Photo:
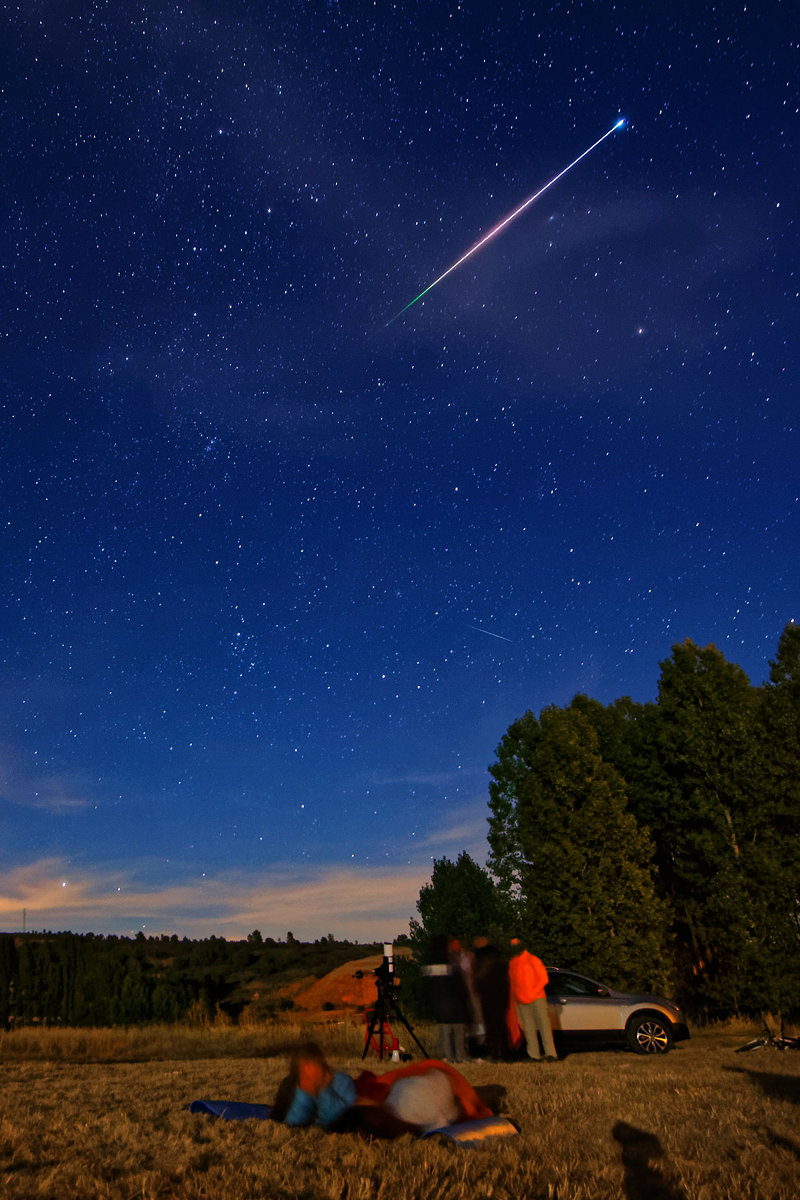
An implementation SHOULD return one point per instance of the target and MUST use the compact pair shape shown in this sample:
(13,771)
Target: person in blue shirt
(313,1094)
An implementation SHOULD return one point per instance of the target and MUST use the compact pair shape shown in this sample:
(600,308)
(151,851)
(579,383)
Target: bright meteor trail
(507,220)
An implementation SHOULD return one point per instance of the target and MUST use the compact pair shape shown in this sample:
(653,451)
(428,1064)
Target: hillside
(91,980)
(341,992)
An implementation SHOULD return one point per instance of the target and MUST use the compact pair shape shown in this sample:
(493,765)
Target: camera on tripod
(379,1032)
(385,978)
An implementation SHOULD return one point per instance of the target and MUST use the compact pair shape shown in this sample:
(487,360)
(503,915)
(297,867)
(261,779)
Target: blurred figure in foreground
(449,999)
(464,961)
(490,973)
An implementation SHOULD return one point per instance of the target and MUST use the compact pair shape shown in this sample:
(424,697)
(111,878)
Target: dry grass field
(105,1114)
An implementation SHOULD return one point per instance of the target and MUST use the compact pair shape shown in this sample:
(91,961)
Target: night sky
(277,575)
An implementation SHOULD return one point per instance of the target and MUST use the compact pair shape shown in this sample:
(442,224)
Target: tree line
(654,845)
(94,980)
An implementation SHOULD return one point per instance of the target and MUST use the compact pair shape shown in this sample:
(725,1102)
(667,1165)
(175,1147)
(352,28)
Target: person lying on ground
(411,1099)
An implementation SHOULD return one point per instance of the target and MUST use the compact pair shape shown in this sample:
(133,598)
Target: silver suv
(583,1010)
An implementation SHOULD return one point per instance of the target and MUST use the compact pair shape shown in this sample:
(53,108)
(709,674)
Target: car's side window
(565,984)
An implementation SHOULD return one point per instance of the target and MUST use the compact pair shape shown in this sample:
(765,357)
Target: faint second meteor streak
(507,221)
(489,633)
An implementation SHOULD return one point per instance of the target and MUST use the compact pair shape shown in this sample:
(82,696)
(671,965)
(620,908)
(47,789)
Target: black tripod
(384,1004)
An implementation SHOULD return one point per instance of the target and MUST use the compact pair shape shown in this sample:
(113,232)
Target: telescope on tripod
(379,1030)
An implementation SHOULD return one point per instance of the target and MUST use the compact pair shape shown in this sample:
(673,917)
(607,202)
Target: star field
(278,576)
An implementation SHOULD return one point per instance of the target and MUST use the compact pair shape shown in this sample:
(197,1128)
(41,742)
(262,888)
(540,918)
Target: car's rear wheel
(649,1034)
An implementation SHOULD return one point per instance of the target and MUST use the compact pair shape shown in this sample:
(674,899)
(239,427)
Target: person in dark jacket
(449,1000)
(490,973)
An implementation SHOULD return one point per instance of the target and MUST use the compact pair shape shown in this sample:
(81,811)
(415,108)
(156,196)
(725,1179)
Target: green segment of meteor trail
(507,220)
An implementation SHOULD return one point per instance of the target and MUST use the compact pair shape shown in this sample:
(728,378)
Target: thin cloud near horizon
(358,903)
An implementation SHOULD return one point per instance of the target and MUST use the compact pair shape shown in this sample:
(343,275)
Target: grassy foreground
(701,1122)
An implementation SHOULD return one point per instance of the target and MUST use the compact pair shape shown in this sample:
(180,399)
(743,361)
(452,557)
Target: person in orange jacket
(528,978)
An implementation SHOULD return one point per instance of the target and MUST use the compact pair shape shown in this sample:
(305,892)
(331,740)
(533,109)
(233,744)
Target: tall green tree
(771,848)
(515,757)
(461,901)
(588,898)
(712,774)
(696,797)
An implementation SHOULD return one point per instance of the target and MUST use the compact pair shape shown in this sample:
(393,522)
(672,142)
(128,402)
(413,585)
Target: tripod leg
(368,1038)
(378,1018)
(398,1012)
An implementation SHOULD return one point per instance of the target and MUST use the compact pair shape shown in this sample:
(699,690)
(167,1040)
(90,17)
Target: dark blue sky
(278,575)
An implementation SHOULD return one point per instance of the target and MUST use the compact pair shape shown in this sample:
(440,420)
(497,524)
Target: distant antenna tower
(24,918)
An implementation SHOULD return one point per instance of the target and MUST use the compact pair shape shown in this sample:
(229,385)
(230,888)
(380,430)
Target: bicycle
(768,1038)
